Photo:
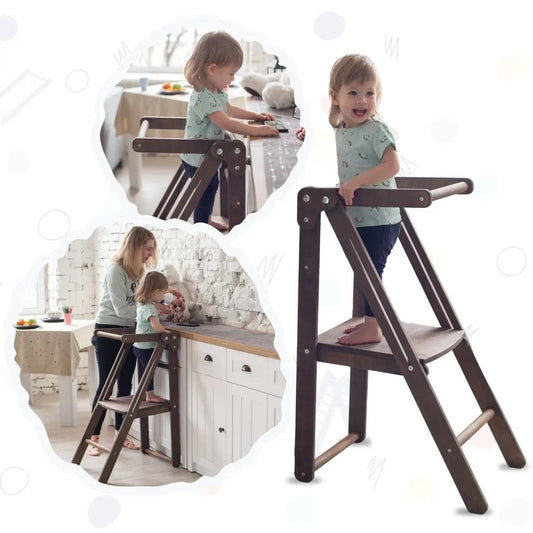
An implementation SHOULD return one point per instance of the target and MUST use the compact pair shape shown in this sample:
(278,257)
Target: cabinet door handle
(245,368)
(208,358)
(221,430)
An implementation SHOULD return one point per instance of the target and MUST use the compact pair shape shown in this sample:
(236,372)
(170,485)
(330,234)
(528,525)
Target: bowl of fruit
(172,88)
(31,323)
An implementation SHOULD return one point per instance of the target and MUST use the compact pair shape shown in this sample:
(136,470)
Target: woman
(117,309)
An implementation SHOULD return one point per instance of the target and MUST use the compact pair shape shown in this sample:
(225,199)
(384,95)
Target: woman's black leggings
(106,353)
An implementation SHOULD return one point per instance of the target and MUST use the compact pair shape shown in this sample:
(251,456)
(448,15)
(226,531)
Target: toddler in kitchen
(210,70)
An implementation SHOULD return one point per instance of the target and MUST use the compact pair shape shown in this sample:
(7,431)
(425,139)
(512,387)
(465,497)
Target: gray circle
(18,162)
(103,511)
(444,129)
(329,25)
(8,27)
(511,261)
(14,480)
(53,225)
(77,80)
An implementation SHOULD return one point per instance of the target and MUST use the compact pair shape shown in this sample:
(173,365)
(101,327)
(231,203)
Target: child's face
(220,77)
(158,295)
(356,102)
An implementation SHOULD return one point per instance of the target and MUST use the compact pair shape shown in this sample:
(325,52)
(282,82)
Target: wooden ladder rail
(183,193)
(133,407)
(419,192)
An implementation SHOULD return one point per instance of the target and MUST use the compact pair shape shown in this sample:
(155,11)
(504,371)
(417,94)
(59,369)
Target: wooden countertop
(245,340)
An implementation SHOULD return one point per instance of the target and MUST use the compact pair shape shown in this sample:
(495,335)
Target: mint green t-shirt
(360,149)
(201,105)
(144,312)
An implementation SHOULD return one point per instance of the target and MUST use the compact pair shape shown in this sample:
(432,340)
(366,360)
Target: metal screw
(421,198)
(306,198)
(220,151)
(237,150)
(306,219)
(237,167)
(325,200)
(306,351)
(237,203)
(410,368)
(305,267)
(449,450)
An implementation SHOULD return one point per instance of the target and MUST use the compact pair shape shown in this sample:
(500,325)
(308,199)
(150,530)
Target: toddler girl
(151,290)
(366,157)
(211,68)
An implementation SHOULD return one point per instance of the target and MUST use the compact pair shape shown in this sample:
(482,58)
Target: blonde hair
(215,47)
(152,281)
(348,69)
(129,257)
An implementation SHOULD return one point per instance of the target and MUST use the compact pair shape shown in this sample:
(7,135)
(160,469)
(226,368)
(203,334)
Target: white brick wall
(215,281)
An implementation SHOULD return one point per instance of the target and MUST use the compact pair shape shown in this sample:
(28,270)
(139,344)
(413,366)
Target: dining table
(155,102)
(53,347)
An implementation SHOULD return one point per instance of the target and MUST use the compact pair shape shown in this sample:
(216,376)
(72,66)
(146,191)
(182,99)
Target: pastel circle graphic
(329,25)
(8,27)
(14,480)
(77,80)
(103,510)
(54,225)
(511,261)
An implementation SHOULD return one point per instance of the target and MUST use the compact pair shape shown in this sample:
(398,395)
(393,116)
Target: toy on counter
(300,133)
(196,316)
(274,89)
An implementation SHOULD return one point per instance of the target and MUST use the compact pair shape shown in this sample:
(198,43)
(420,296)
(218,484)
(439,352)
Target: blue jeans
(203,210)
(379,241)
(143,356)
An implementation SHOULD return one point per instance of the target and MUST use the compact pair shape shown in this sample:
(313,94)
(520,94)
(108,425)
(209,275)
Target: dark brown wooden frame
(406,349)
(183,193)
(133,407)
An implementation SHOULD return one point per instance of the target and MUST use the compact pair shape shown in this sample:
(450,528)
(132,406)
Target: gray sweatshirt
(117,305)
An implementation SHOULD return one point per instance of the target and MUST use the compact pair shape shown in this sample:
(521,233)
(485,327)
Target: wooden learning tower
(406,349)
(183,193)
(134,407)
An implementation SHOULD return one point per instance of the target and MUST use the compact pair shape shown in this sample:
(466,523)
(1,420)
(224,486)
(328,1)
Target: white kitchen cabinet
(228,397)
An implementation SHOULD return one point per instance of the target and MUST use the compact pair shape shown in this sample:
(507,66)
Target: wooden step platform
(122,404)
(428,342)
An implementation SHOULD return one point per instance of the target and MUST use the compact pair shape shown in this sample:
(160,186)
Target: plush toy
(274,89)
(177,297)
(196,315)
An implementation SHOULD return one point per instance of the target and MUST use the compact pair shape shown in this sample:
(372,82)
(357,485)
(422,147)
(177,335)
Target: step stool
(133,407)
(406,349)
(183,193)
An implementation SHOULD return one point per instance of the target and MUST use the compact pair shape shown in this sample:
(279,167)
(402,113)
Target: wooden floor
(133,468)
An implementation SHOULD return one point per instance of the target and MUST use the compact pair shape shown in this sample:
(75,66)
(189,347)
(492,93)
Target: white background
(457,79)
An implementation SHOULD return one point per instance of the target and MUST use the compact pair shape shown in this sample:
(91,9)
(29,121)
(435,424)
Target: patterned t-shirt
(144,313)
(201,104)
(360,149)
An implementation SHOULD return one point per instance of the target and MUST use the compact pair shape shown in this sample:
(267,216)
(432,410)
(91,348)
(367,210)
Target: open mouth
(359,112)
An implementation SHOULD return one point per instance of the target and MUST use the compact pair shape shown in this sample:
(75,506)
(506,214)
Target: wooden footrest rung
(157,454)
(475,426)
(97,445)
(322,459)
(122,404)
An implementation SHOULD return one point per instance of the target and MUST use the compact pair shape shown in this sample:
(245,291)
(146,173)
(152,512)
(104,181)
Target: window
(33,300)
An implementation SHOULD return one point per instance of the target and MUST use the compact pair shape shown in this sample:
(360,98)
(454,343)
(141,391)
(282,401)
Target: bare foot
(154,398)
(369,332)
(93,450)
(355,327)
(220,226)
(128,443)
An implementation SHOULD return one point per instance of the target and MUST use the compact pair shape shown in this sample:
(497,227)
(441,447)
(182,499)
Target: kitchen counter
(246,340)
